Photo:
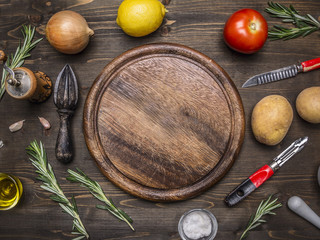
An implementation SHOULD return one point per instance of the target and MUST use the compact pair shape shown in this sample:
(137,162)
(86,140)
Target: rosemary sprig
(264,208)
(22,52)
(304,25)
(96,190)
(38,158)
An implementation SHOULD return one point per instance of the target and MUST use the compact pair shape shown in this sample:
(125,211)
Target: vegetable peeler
(264,173)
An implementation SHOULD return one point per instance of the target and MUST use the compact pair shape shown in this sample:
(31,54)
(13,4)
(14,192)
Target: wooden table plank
(199,25)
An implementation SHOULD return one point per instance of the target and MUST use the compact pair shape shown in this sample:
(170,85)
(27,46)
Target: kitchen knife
(282,73)
(264,173)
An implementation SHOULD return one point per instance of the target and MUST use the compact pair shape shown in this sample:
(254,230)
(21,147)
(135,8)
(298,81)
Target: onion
(68,32)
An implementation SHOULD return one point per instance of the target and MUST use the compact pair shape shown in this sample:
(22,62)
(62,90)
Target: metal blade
(273,76)
(293,149)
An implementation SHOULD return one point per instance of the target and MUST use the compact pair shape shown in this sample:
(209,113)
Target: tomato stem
(253,26)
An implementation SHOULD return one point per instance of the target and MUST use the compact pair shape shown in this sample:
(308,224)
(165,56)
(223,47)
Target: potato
(308,104)
(271,119)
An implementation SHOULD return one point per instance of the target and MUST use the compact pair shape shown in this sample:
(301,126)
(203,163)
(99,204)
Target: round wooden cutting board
(163,122)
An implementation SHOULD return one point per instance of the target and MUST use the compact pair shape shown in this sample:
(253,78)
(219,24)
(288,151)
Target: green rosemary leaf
(81,172)
(68,209)
(293,9)
(42,178)
(58,199)
(96,190)
(303,25)
(106,207)
(311,18)
(71,179)
(251,219)
(114,213)
(254,226)
(51,171)
(265,208)
(265,203)
(307,32)
(49,189)
(38,158)
(103,207)
(74,204)
(78,238)
(288,21)
(125,215)
(96,195)
(279,32)
(79,226)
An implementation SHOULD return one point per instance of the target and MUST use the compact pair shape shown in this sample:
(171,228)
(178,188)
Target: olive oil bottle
(10,191)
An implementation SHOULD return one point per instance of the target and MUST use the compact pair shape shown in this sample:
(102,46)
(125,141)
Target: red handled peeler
(264,173)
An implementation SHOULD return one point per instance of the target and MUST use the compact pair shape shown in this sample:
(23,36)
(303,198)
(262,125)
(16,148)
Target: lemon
(139,18)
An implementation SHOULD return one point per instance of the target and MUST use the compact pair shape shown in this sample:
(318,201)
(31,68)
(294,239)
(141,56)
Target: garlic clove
(1,144)
(45,123)
(16,126)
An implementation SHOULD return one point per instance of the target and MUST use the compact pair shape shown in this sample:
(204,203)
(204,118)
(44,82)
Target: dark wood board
(164,122)
(194,23)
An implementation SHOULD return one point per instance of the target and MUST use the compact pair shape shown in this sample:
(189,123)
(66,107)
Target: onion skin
(68,32)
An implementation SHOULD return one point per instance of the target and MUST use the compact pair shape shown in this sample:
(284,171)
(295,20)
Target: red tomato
(246,31)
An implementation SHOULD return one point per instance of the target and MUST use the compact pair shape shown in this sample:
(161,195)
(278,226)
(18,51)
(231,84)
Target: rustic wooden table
(199,25)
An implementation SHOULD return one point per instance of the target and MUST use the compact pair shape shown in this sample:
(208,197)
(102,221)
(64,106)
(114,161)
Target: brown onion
(68,32)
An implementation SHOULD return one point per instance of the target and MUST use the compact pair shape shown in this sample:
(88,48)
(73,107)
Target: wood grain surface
(197,24)
(164,122)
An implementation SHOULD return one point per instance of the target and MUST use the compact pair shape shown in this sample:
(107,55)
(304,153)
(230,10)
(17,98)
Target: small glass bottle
(10,191)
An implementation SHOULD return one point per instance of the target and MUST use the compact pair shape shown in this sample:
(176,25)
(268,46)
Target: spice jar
(25,84)
(198,224)
(22,83)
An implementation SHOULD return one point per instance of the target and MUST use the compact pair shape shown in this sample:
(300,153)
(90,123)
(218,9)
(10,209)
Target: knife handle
(249,185)
(64,151)
(311,65)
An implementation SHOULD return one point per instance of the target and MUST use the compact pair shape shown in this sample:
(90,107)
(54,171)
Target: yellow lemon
(139,18)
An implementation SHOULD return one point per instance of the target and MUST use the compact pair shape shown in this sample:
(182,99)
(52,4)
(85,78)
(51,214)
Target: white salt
(197,225)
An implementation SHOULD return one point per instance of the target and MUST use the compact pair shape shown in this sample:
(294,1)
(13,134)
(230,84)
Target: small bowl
(214,225)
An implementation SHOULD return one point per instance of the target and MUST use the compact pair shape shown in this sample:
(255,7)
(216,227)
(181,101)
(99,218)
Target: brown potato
(271,119)
(308,104)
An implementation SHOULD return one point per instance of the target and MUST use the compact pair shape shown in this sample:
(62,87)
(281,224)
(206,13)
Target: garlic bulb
(68,32)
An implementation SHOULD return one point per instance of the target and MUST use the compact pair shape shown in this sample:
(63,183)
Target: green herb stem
(303,25)
(38,158)
(96,190)
(22,52)
(266,207)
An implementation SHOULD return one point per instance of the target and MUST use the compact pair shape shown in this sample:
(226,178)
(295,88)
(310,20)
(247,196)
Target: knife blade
(282,73)
(264,173)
